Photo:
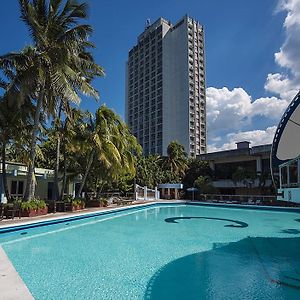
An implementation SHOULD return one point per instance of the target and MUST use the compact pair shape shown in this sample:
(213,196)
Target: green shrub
(104,201)
(33,204)
(68,198)
(78,202)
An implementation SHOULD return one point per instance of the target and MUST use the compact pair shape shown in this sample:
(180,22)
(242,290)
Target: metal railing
(242,199)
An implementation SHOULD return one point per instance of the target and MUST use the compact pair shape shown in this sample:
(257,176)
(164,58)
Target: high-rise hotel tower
(165,87)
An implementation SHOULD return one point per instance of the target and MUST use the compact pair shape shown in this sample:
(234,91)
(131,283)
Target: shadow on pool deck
(252,268)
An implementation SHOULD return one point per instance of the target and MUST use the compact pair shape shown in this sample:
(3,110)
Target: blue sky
(241,40)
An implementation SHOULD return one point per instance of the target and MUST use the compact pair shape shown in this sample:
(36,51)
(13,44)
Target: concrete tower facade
(165,87)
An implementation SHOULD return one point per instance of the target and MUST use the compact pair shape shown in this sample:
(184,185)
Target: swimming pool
(162,252)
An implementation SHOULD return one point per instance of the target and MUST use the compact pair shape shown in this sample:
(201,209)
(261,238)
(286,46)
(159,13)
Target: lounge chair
(250,201)
(121,201)
(12,210)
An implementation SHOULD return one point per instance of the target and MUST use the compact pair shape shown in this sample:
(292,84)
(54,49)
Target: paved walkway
(12,286)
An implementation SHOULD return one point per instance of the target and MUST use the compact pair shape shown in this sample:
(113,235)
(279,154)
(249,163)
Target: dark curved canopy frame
(286,142)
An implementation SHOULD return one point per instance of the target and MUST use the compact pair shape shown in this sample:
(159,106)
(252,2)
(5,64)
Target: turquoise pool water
(162,252)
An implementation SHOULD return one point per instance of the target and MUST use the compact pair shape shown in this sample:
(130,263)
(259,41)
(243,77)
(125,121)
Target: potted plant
(103,202)
(33,207)
(78,204)
(28,209)
(42,208)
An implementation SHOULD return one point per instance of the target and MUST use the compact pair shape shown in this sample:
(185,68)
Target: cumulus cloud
(233,110)
(281,85)
(288,56)
(256,137)
(227,109)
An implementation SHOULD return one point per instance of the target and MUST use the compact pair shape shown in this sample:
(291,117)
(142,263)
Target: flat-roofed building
(16,174)
(254,160)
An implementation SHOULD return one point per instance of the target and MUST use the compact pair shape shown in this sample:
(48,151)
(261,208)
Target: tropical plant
(13,132)
(195,169)
(204,185)
(33,204)
(176,160)
(149,171)
(244,176)
(107,141)
(56,68)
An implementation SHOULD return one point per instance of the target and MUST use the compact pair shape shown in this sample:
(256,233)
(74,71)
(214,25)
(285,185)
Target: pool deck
(12,286)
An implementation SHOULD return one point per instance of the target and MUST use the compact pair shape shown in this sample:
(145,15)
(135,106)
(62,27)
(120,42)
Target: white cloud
(256,137)
(227,109)
(288,56)
(281,85)
(233,110)
(269,107)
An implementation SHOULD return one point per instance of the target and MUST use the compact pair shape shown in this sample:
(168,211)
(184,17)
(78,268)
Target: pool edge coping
(82,215)
(11,284)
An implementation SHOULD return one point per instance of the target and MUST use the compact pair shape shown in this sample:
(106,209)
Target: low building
(256,160)
(17,177)
(170,190)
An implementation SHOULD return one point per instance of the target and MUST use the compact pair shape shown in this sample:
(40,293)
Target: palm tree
(149,171)
(56,68)
(13,127)
(244,176)
(204,184)
(70,143)
(176,161)
(109,142)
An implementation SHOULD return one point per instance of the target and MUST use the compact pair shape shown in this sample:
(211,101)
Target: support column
(145,193)
(73,192)
(258,165)
(156,193)
(134,191)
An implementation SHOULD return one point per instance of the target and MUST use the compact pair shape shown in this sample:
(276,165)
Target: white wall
(176,88)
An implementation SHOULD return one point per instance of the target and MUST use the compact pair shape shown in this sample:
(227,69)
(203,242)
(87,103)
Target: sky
(252,57)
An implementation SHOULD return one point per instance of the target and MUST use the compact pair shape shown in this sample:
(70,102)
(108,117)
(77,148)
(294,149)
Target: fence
(248,199)
(144,193)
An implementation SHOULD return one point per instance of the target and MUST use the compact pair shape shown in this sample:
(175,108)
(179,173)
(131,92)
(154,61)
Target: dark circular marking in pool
(23,233)
(240,224)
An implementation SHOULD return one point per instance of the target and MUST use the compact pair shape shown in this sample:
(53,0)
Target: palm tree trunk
(56,170)
(88,167)
(4,175)
(57,160)
(30,183)
(64,173)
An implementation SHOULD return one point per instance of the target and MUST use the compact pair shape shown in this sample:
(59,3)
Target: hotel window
(293,173)
(284,176)
(16,188)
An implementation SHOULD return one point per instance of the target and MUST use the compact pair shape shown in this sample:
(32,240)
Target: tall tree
(108,140)
(244,176)
(13,130)
(57,66)
(176,160)
(149,171)
(195,169)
